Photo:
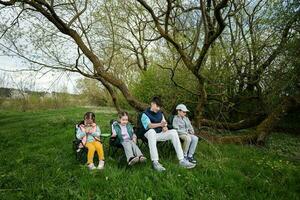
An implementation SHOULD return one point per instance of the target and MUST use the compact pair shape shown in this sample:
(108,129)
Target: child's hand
(82,128)
(134,140)
(165,129)
(163,123)
(89,131)
(191,132)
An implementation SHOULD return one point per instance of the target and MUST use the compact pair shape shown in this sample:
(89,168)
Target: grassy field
(37,162)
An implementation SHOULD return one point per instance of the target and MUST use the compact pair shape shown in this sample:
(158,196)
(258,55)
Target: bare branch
(77,15)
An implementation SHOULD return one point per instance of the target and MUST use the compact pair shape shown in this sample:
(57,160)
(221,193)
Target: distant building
(18,94)
(4,92)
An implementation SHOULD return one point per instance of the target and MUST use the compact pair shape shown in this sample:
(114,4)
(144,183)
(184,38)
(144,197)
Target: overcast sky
(51,81)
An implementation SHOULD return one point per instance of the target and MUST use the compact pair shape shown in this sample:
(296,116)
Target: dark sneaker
(192,160)
(133,160)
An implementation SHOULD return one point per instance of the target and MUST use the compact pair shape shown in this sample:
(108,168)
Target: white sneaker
(91,166)
(158,167)
(101,164)
(186,164)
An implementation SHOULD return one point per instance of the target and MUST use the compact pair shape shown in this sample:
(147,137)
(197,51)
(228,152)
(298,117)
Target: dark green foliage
(157,82)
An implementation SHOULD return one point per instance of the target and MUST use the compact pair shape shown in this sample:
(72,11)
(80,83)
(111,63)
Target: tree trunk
(112,94)
(264,129)
(243,124)
(202,99)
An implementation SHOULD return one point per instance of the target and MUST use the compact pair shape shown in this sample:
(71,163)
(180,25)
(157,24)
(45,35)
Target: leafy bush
(157,82)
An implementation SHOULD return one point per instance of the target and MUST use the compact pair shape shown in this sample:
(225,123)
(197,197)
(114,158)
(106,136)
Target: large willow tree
(112,40)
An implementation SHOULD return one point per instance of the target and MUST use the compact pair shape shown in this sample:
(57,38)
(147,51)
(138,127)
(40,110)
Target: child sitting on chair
(124,133)
(89,133)
(186,132)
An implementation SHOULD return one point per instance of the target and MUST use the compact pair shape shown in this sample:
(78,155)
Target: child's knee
(183,138)
(91,147)
(188,139)
(173,133)
(98,144)
(194,138)
(150,133)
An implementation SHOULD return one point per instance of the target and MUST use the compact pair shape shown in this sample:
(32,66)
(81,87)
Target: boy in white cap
(155,129)
(186,132)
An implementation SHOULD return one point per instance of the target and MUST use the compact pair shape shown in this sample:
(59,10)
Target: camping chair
(80,150)
(115,145)
(170,121)
(142,141)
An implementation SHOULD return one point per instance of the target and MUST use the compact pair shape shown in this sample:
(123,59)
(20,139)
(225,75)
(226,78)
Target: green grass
(37,162)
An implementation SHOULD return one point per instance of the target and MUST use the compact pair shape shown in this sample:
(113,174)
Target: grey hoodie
(182,125)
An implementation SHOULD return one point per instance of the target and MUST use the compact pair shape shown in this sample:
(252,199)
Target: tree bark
(243,124)
(112,94)
(262,131)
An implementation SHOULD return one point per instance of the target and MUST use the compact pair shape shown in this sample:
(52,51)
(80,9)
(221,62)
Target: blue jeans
(189,144)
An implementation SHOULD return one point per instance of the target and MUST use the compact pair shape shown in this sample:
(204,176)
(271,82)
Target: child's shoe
(158,167)
(186,164)
(192,160)
(142,159)
(101,164)
(133,160)
(91,166)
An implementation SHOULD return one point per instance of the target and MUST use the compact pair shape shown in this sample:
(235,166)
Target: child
(186,132)
(89,133)
(124,133)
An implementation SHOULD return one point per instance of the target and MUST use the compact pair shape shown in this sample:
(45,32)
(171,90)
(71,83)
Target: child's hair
(89,115)
(122,114)
(157,101)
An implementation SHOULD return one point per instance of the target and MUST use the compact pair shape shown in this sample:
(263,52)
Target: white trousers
(153,137)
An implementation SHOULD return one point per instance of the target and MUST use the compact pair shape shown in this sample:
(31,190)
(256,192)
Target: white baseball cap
(182,107)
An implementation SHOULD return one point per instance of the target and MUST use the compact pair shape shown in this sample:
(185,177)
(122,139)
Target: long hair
(90,115)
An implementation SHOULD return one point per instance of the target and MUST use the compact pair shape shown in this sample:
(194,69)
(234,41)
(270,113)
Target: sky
(52,81)
(36,81)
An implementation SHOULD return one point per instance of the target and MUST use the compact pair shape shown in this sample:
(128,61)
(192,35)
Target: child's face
(181,113)
(124,120)
(88,121)
(154,107)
